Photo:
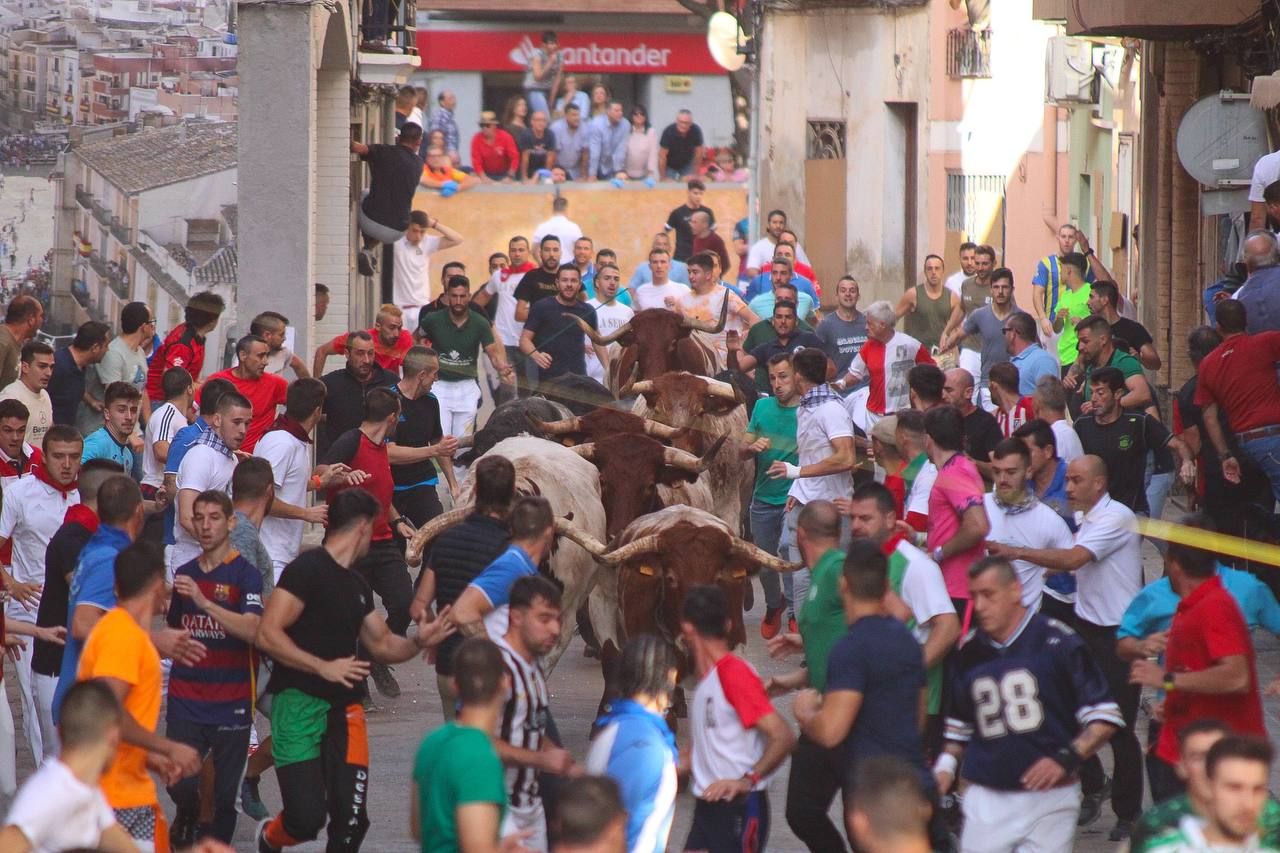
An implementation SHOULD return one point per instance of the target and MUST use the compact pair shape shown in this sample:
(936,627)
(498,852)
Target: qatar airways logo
(594,56)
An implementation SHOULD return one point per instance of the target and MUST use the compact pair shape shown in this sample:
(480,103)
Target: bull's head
(631,469)
(656,571)
(681,400)
(655,341)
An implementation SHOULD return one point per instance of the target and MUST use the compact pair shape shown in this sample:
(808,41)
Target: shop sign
(589,53)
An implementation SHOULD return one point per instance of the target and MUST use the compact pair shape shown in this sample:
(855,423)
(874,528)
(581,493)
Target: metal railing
(112,273)
(120,231)
(391,23)
(84,198)
(968,53)
(157,273)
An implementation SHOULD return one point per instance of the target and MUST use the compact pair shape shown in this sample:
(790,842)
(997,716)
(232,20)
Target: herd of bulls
(650,488)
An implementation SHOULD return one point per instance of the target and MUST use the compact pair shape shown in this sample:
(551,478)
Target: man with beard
(390,338)
(346,388)
(552,339)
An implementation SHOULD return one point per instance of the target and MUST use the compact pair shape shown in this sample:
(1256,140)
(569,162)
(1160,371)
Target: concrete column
(278,180)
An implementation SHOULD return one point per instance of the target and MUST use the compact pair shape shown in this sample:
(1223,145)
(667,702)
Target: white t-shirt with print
(609,318)
(816,426)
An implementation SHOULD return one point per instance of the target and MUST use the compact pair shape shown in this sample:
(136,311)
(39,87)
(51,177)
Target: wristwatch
(1167,684)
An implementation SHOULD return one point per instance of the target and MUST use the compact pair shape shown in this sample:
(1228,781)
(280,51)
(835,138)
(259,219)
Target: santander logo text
(592,55)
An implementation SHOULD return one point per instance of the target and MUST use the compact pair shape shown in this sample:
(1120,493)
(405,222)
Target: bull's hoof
(590,652)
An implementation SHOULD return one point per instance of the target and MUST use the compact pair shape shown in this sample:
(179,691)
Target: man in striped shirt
(533,629)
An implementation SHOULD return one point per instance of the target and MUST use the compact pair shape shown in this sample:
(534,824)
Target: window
(968,53)
(825,139)
(973,203)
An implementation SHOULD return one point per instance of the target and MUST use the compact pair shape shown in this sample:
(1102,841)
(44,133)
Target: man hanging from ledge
(394,171)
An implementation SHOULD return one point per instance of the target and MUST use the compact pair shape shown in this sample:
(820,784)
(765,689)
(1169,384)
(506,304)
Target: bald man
(1106,558)
(981,429)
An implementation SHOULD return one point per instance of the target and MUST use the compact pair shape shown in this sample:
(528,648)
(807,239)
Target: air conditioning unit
(1070,77)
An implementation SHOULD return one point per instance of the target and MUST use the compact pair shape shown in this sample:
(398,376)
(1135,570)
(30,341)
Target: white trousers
(45,686)
(30,719)
(1020,821)
(8,750)
(459,402)
(527,819)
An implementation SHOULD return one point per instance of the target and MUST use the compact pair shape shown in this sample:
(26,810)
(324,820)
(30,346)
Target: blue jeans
(789,549)
(537,99)
(1266,452)
(766,530)
(680,174)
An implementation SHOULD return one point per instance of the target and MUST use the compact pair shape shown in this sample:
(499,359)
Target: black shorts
(739,826)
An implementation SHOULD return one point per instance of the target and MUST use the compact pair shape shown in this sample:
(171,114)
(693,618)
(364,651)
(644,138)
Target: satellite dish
(1220,138)
(723,37)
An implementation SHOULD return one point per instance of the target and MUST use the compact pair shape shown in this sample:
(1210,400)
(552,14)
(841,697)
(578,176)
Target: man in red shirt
(264,390)
(390,342)
(1210,670)
(184,347)
(1012,409)
(1240,376)
(494,154)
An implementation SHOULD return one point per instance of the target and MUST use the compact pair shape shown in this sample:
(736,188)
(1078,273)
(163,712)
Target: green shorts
(298,725)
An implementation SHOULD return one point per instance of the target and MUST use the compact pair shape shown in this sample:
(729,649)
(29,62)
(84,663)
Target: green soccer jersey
(822,619)
(776,422)
(1122,361)
(456,765)
(1161,824)
(1076,304)
(459,347)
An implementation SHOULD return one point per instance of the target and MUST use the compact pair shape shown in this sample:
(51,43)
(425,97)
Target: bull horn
(716,388)
(644,386)
(432,529)
(571,531)
(703,326)
(682,459)
(586,451)
(657,429)
(602,340)
(559,427)
(631,549)
(756,554)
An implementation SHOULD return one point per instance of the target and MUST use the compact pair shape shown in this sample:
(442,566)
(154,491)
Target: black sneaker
(384,680)
(1091,804)
(748,596)
(1121,831)
(251,801)
(261,835)
(185,830)
(367,262)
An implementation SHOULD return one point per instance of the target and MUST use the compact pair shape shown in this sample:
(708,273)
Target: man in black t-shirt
(1122,440)
(680,148)
(1126,334)
(981,430)
(678,220)
(537,146)
(540,283)
(553,339)
(419,439)
(394,172)
(319,611)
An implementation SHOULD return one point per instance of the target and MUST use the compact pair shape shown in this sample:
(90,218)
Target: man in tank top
(928,307)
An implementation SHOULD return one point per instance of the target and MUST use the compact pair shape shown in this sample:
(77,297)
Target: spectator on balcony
(537,148)
(123,362)
(30,389)
(600,99)
(682,149)
(515,116)
(573,142)
(442,119)
(725,168)
(572,95)
(609,135)
(562,227)
(375,16)
(184,347)
(442,175)
(543,73)
(66,387)
(394,172)
(494,154)
(642,147)
(407,109)
(22,319)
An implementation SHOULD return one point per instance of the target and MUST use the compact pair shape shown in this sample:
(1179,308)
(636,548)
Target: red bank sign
(613,53)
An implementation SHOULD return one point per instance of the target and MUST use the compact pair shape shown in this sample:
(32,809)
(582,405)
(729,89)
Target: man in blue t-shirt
(482,607)
(210,393)
(552,339)
(218,598)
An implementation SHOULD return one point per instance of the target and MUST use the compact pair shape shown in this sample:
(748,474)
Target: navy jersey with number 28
(1016,703)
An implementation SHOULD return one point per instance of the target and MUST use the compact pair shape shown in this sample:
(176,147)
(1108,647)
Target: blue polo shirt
(763,283)
(495,583)
(1152,609)
(178,447)
(1032,363)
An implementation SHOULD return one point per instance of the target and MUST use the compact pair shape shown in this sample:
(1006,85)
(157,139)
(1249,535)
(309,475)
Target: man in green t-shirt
(1194,743)
(459,796)
(771,436)
(764,332)
(458,335)
(1097,350)
(1073,305)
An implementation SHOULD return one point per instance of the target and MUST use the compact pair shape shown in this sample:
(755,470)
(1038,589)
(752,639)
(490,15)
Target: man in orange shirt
(119,651)
(390,341)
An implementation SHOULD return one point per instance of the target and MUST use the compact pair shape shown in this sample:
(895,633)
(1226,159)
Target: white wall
(709,100)
(162,211)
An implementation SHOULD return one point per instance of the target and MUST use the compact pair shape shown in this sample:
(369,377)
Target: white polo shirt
(816,426)
(32,512)
(1038,527)
(1107,584)
(290,461)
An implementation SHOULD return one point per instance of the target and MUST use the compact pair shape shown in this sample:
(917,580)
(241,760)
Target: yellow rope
(1221,543)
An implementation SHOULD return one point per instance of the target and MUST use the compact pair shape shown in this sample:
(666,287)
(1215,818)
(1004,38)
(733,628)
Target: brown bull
(656,341)
(656,561)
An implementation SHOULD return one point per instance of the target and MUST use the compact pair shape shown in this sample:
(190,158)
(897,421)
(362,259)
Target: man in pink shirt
(958,524)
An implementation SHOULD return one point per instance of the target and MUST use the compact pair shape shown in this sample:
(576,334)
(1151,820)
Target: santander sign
(589,52)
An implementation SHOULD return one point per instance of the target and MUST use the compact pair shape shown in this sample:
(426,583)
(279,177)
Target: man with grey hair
(1049,401)
(885,359)
(1260,293)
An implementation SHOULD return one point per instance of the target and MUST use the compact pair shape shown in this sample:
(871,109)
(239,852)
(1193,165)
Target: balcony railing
(100,213)
(968,53)
(390,24)
(112,273)
(120,231)
(83,197)
(155,269)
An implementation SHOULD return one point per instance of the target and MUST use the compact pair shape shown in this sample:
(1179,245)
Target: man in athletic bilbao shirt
(886,357)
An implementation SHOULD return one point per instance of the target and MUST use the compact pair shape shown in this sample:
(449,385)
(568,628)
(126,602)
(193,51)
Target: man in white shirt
(209,464)
(762,250)
(559,225)
(968,266)
(611,315)
(33,510)
(34,372)
(411,278)
(1106,558)
(824,443)
(287,446)
(1050,404)
(1265,172)
(661,292)
(166,420)
(502,285)
(706,302)
(1019,518)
